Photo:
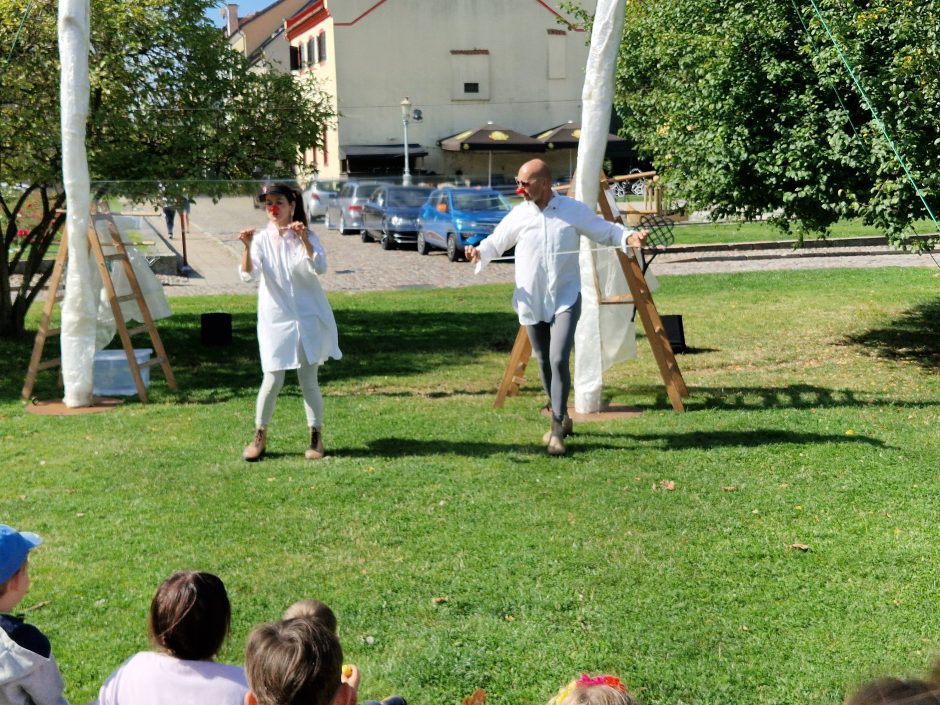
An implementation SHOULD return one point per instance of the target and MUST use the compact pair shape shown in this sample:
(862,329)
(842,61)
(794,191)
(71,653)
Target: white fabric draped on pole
(79,310)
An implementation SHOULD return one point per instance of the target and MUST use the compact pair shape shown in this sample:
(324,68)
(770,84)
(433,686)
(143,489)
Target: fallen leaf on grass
(667,485)
(729,488)
(798,547)
(439,600)
(850,432)
(477,697)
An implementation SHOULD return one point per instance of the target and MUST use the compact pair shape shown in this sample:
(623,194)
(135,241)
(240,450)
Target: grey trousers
(551,344)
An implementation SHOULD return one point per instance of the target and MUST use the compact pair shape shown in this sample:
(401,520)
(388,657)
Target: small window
(312,51)
(471,88)
(321,47)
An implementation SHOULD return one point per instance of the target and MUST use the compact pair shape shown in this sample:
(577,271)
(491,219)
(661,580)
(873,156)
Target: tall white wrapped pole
(79,310)
(597,99)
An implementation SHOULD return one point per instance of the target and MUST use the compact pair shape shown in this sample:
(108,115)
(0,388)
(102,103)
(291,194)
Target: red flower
(22,233)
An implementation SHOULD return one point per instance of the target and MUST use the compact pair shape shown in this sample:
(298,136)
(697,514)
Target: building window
(321,47)
(304,55)
(470,74)
(312,50)
(557,54)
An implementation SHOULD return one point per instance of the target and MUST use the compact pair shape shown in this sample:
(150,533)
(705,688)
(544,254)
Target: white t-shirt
(149,678)
(548,277)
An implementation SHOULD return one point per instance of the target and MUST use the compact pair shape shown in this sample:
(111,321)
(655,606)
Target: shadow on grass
(753,438)
(374,343)
(912,337)
(793,396)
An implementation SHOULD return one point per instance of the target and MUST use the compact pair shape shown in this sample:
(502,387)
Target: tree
(745,106)
(171,104)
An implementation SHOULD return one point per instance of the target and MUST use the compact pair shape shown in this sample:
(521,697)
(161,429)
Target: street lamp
(405,117)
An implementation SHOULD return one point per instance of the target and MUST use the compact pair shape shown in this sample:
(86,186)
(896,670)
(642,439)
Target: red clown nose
(520,191)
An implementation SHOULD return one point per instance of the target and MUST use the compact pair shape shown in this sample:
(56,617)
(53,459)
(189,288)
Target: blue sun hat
(14,546)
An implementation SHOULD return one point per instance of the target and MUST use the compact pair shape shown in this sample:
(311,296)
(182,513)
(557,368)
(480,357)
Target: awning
(381,151)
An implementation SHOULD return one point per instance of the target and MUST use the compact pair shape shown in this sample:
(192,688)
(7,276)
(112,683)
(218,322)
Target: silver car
(318,194)
(345,211)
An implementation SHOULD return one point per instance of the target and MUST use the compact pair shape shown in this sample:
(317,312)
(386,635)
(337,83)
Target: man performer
(545,231)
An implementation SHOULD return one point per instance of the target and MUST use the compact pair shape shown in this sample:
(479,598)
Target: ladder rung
(57,362)
(518,380)
(53,331)
(138,330)
(625,299)
(152,362)
(119,255)
(126,297)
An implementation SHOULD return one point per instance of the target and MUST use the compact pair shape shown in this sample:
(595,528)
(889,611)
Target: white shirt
(548,278)
(292,309)
(150,678)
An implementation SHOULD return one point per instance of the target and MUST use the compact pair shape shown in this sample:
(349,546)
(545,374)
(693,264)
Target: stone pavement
(213,252)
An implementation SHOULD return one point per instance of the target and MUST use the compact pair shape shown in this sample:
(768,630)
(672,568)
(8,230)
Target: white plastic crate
(112,376)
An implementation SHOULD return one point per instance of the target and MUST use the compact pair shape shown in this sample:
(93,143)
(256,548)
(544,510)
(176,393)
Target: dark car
(390,216)
(345,211)
(453,218)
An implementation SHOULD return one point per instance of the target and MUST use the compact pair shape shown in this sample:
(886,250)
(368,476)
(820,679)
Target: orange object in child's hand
(347,670)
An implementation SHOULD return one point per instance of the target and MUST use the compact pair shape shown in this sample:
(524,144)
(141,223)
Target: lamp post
(405,116)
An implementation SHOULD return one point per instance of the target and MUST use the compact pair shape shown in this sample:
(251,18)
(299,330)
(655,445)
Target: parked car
(318,194)
(453,218)
(345,211)
(390,215)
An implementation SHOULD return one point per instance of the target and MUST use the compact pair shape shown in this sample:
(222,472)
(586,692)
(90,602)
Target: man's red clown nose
(520,191)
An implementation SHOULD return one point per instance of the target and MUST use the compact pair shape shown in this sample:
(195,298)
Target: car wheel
(387,242)
(327,222)
(421,245)
(365,236)
(343,230)
(453,252)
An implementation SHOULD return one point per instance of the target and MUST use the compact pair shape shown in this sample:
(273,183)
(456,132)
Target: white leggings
(271,385)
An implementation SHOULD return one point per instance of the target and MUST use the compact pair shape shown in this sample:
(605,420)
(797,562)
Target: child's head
(312,609)
(190,615)
(14,576)
(293,662)
(594,690)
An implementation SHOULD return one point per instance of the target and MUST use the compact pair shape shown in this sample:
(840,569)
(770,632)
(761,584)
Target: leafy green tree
(170,104)
(745,107)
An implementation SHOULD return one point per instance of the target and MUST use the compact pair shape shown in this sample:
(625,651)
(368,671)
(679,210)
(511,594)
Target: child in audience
(594,690)
(189,620)
(297,662)
(28,672)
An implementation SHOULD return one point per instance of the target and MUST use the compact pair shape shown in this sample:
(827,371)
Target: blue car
(453,218)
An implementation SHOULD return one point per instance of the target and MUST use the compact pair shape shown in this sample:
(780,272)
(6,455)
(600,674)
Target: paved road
(213,252)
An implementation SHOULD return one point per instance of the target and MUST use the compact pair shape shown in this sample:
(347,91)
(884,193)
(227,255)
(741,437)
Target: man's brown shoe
(315,451)
(556,440)
(255,450)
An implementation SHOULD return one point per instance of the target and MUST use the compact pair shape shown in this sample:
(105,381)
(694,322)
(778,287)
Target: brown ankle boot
(315,451)
(566,426)
(556,441)
(255,450)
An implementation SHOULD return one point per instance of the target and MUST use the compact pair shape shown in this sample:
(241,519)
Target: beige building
(260,36)
(462,64)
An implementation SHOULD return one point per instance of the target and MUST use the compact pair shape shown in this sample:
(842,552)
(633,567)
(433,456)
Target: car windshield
(408,197)
(480,202)
(331,186)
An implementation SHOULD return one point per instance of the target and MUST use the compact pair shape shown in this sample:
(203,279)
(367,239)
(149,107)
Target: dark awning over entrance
(381,151)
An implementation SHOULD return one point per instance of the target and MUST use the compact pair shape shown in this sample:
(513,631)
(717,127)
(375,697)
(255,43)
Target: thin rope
(874,113)
(16,38)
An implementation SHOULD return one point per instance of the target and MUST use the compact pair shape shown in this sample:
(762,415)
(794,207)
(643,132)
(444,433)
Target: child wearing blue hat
(28,672)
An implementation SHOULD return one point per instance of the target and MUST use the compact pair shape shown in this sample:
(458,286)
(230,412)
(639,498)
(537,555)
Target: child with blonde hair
(594,690)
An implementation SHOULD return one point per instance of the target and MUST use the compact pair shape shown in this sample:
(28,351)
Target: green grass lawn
(812,420)
(711,233)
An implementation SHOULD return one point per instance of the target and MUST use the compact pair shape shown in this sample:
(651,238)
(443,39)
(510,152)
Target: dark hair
(895,691)
(312,609)
(190,615)
(293,662)
(287,191)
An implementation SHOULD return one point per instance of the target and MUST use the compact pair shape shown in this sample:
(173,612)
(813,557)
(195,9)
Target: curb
(843,243)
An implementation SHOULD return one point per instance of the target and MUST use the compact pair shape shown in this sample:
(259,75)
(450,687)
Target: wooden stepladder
(639,296)
(117,252)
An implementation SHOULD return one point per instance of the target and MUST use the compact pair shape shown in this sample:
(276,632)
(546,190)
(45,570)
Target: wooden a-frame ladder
(639,296)
(53,296)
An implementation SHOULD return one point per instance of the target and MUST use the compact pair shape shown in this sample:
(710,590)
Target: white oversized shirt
(548,278)
(292,309)
(157,679)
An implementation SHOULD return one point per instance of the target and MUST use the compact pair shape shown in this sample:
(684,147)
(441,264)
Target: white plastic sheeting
(79,310)
(605,334)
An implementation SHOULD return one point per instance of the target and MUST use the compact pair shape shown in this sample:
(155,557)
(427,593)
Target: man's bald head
(535,169)
(535,182)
